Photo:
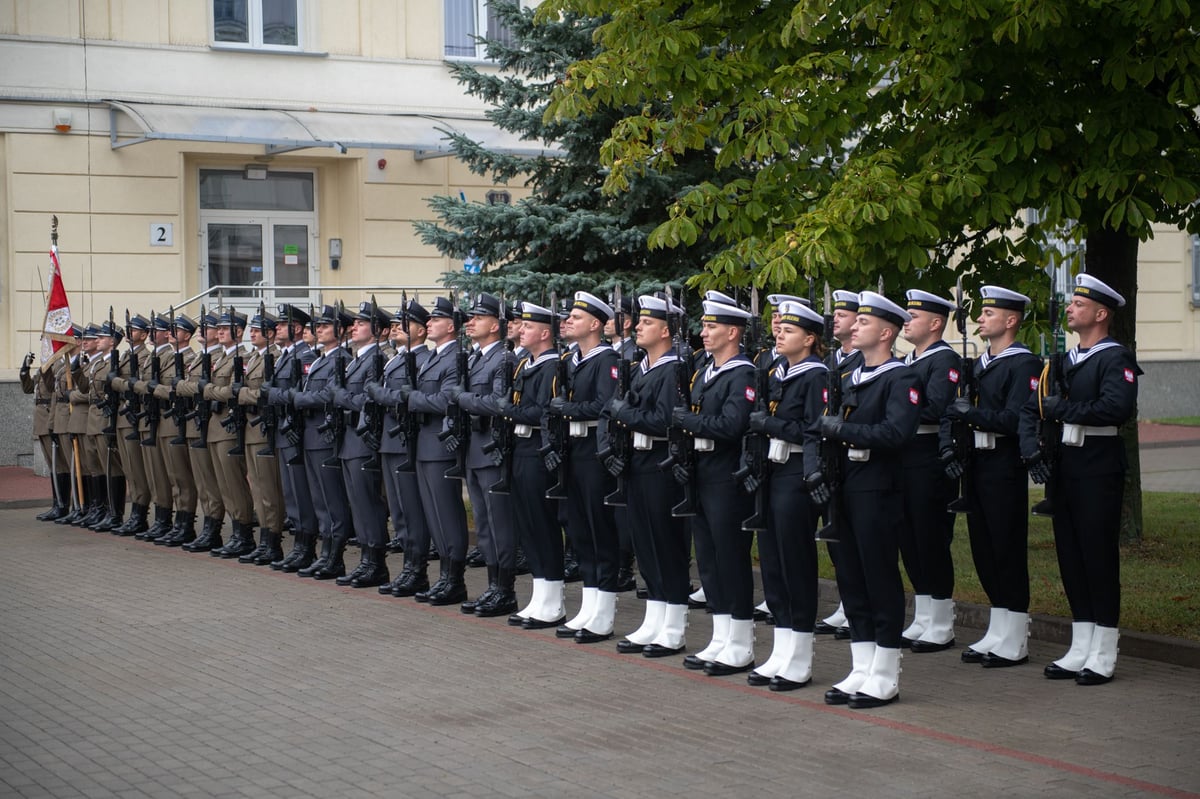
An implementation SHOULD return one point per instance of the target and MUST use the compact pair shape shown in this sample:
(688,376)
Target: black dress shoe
(1053,671)
(694,663)
(841,634)
(586,636)
(565,632)
(1089,677)
(627,647)
(454,593)
(836,696)
(716,668)
(993,661)
(920,646)
(758,680)
(642,593)
(861,701)
(500,603)
(969,655)
(475,559)
(660,651)
(694,605)
(626,581)
(539,624)
(784,684)
(822,628)
(761,615)
(416,583)
(516,620)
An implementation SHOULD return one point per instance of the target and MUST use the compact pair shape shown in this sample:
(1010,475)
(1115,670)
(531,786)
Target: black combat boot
(438,585)
(210,536)
(116,512)
(470,605)
(183,533)
(240,543)
(272,551)
(336,565)
(503,600)
(364,565)
(257,552)
(455,589)
(321,562)
(377,574)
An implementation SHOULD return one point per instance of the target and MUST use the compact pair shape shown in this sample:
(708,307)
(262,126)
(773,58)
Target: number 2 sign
(162,234)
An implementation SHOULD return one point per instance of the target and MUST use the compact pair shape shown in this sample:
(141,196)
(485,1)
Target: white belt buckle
(522,430)
(778,450)
(704,444)
(985,439)
(1073,435)
(577,429)
(858,455)
(641,441)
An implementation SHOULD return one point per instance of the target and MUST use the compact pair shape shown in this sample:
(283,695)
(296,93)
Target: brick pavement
(128,670)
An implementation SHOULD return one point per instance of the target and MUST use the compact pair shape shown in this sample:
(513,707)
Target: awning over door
(280,131)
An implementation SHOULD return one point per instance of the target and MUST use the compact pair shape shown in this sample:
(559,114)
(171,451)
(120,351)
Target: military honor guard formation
(591,434)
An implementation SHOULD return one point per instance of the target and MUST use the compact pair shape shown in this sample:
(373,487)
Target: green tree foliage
(567,234)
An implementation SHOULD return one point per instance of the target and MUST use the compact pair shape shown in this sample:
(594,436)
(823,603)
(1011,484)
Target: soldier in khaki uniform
(44,431)
(262,471)
(129,436)
(87,465)
(191,390)
(79,403)
(108,487)
(173,432)
(161,360)
(229,466)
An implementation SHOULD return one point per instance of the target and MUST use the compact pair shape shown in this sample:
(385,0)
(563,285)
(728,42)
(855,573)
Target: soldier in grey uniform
(441,497)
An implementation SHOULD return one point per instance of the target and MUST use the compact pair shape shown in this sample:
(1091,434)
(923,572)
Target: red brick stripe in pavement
(18,484)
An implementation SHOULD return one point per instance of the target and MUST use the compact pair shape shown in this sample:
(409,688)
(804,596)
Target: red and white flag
(55,330)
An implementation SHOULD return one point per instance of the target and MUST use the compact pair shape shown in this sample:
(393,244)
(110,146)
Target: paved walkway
(129,670)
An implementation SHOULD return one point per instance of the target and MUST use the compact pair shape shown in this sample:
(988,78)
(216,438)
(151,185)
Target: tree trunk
(1111,256)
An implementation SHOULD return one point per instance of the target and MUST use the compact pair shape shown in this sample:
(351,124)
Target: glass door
(250,255)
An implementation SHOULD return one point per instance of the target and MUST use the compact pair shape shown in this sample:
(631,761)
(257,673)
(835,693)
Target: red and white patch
(914,396)
(1033,383)
(750,394)
(614,373)
(952,375)
(825,396)
(1128,375)
(307,366)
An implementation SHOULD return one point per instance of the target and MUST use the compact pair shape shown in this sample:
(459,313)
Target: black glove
(1039,470)
(505,408)
(551,461)
(557,406)
(1053,407)
(959,409)
(818,489)
(682,417)
(614,465)
(616,405)
(681,473)
(751,483)
(631,397)
(25,364)
(758,421)
(497,456)
(369,440)
(201,384)
(951,465)
(405,391)
(830,427)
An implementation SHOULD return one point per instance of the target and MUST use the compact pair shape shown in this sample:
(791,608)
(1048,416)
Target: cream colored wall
(1168,327)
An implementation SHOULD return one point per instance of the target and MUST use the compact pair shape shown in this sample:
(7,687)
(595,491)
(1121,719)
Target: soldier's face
(533,335)
(651,332)
(993,322)
(774,323)
(514,330)
(257,338)
(325,334)
(717,337)
(866,332)
(224,336)
(361,333)
(1084,314)
(793,341)
(922,326)
(843,321)
(398,335)
(441,329)
(482,328)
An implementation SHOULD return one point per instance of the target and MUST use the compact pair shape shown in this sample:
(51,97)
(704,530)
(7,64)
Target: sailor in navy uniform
(625,345)
(295,359)
(881,409)
(787,548)
(441,496)
(927,526)
(591,527)
(659,539)
(481,397)
(363,486)
(314,400)
(845,359)
(722,397)
(1100,395)
(399,464)
(996,486)
(535,516)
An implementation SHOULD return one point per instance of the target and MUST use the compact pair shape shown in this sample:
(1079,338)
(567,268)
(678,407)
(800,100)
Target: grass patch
(1187,421)
(1160,577)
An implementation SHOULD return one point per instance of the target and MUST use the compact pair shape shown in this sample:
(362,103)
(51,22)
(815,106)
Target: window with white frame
(1196,271)
(258,24)
(468,20)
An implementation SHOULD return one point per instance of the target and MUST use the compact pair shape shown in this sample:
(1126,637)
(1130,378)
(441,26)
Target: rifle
(681,451)
(830,452)
(504,439)
(133,402)
(151,409)
(335,420)
(235,422)
(1050,432)
(180,408)
(620,437)
(458,421)
(756,444)
(268,416)
(557,427)
(964,438)
(293,423)
(203,410)
(373,413)
(112,404)
(408,424)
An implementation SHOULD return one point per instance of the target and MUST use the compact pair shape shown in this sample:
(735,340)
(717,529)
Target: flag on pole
(55,331)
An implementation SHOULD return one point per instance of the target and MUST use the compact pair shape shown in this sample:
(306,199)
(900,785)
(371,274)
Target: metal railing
(251,295)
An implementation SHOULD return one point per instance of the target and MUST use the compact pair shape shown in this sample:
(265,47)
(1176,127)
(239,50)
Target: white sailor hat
(722,314)
(845,300)
(924,301)
(873,304)
(536,313)
(799,314)
(656,307)
(719,297)
(1095,289)
(593,305)
(779,299)
(999,297)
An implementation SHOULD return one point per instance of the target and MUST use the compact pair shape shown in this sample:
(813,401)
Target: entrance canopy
(281,131)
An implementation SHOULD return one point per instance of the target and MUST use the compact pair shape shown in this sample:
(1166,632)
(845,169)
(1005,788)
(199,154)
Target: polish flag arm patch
(750,394)
(952,375)
(1129,376)
(1033,383)
(914,396)
(614,373)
